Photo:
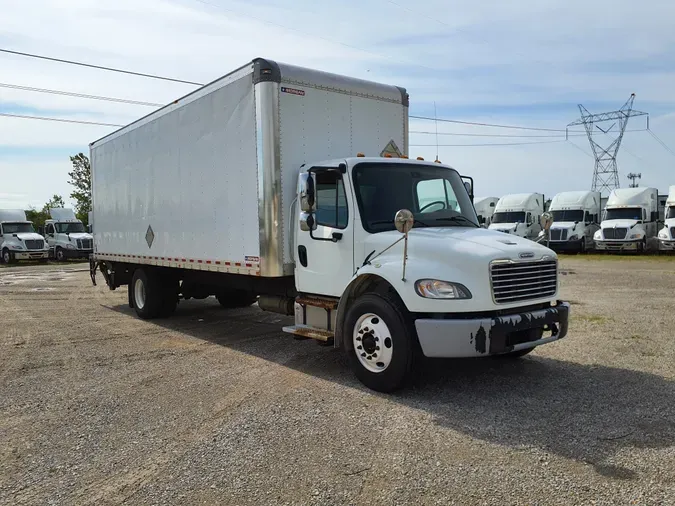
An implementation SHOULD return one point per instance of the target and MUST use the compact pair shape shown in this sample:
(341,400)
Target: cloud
(477,61)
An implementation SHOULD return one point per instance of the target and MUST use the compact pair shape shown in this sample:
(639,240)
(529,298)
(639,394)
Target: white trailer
(519,214)
(667,233)
(67,236)
(576,218)
(288,186)
(485,208)
(629,221)
(18,240)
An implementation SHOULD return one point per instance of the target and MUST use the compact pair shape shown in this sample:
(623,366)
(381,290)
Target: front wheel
(379,343)
(7,256)
(60,255)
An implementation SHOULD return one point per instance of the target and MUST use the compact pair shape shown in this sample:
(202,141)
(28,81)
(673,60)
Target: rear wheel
(146,294)
(379,343)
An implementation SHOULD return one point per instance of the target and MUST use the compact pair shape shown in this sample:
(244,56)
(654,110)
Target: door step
(306,331)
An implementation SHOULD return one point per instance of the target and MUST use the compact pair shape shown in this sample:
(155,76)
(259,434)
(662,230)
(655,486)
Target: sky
(528,63)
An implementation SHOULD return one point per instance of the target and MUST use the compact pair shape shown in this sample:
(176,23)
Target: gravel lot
(220,407)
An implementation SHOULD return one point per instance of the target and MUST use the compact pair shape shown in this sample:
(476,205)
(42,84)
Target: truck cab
(18,239)
(576,219)
(667,233)
(519,214)
(629,221)
(67,236)
(485,208)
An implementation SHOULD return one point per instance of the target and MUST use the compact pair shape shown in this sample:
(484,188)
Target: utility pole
(634,177)
(605,172)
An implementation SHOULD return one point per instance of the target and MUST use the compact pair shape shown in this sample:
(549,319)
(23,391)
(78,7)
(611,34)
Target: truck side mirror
(306,191)
(307,223)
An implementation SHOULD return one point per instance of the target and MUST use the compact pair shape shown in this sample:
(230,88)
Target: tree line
(80,180)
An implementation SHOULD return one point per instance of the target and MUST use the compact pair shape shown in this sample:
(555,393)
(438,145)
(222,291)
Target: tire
(7,256)
(236,299)
(59,255)
(582,248)
(382,362)
(146,294)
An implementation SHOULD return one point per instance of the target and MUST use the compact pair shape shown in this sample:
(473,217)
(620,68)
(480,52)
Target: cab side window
(50,229)
(331,200)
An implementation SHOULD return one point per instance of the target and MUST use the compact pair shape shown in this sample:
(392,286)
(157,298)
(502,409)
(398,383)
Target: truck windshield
(509,217)
(435,195)
(69,228)
(568,215)
(670,212)
(624,213)
(17,228)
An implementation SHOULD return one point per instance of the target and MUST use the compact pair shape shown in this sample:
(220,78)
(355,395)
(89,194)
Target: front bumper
(617,245)
(489,336)
(77,253)
(666,245)
(30,255)
(566,245)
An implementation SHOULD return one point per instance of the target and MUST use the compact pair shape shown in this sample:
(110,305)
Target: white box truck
(667,233)
(485,208)
(519,214)
(18,239)
(285,185)
(629,221)
(576,219)
(67,236)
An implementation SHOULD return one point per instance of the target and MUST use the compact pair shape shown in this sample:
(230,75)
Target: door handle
(337,236)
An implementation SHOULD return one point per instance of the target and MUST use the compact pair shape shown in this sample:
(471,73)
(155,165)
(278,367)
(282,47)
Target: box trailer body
(629,221)
(18,239)
(485,208)
(519,214)
(667,233)
(576,219)
(67,236)
(291,187)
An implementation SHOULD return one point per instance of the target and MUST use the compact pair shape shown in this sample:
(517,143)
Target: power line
(556,136)
(489,144)
(492,125)
(665,146)
(78,95)
(581,149)
(60,120)
(99,67)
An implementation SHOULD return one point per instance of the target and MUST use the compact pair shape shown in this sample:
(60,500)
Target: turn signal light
(360,155)
(420,158)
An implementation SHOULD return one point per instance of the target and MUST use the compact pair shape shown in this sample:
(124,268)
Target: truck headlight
(17,246)
(598,235)
(636,236)
(437,289)
(70,246)
(663,234)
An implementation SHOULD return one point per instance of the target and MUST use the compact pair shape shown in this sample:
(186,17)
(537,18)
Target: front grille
(34,244)
(558,234)
(84,244)
(520,281)
(614,233)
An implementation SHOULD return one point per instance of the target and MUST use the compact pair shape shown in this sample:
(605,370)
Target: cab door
(50,235)
(324,255)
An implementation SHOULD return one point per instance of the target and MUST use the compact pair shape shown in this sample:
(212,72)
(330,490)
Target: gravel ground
(220,407)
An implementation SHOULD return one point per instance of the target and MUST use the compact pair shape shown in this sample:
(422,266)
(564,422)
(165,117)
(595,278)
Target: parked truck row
(291,187)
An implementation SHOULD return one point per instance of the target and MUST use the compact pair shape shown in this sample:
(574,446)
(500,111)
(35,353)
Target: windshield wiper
(459,218)
(382,222)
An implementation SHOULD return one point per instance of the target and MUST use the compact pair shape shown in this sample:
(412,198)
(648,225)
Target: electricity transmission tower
(606,173)
(633,178)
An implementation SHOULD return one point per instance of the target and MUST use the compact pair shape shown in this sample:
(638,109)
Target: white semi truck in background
(485,208)
(519,214)
(18,239)
(576,219)
(667,233)
(277,183)
(67,236)
(629,221)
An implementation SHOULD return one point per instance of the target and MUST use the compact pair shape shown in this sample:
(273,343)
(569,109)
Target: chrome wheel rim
(139,294)
(372,343)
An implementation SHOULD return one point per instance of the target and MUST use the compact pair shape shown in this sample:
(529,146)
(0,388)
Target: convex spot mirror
(307,222)
(306,191)
(546,220)
(404,221)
